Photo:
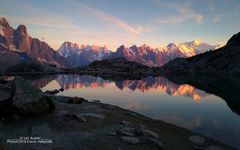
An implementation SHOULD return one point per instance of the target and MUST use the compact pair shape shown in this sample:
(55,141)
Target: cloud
(217,18)
(185,14)
(45,21)
(110,19)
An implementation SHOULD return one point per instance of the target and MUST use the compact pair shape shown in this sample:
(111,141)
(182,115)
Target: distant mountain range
(74,55)
(85,54)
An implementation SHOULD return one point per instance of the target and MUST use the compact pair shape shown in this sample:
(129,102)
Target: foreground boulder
(6,92)
(25,99)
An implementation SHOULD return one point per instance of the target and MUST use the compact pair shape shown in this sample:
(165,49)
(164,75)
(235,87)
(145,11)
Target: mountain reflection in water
(160,84)
(156,97)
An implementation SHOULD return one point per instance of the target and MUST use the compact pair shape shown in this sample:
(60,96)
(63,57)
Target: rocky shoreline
(77,123)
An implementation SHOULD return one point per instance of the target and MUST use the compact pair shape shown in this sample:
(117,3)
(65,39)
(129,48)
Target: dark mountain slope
(118,66)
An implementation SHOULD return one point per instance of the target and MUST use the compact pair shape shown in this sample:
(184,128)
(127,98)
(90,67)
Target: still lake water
(158,98)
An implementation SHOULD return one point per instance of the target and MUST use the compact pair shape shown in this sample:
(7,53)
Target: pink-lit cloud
(110,19)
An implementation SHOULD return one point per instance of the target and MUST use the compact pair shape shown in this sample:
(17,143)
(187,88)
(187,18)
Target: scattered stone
(130,140)
(76,100)
(53,92)
(100,116)
(62,113)
(127,131)
(196,139)
(149,133)
(213,147)
(61,89)
(126,123)
(79,118)
(157,142)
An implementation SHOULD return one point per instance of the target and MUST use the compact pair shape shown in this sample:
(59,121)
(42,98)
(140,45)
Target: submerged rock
(61,89)
(53,92)
(196,139)
(76,100)
(71,100)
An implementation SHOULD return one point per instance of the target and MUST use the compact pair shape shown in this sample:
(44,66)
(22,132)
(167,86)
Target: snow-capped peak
(196,42)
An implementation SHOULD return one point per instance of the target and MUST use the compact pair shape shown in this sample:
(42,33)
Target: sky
(112,23)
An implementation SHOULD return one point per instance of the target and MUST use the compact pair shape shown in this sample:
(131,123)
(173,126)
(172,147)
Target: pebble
(130,140)
(196,139)
(127,131)
(213,147)
(149,133)
(126,123)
